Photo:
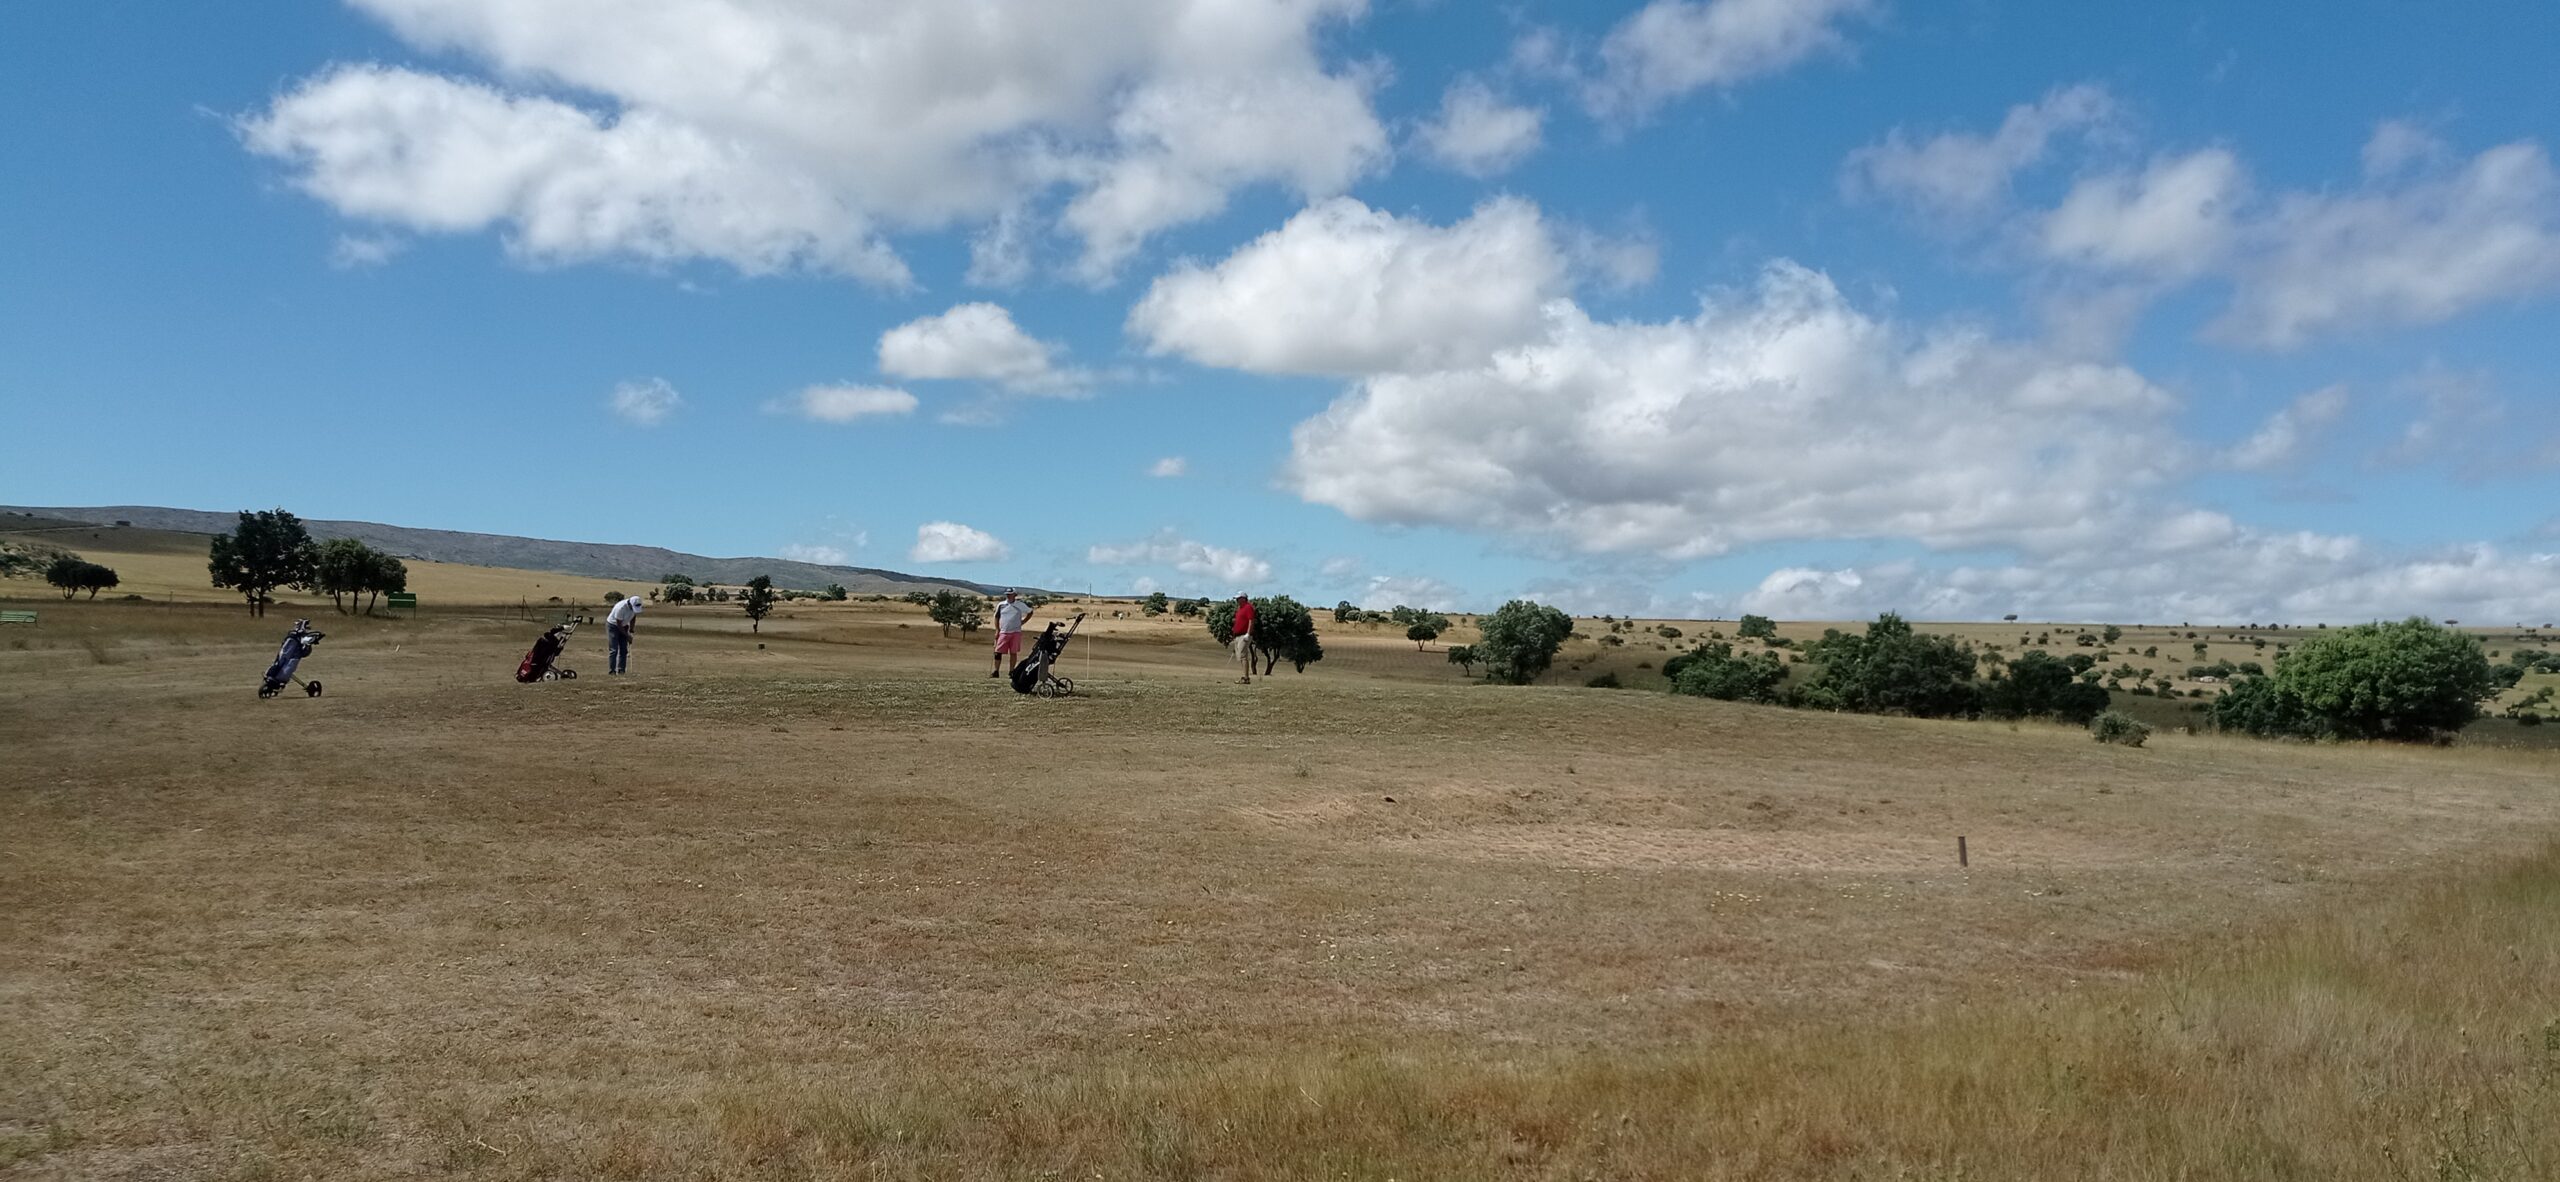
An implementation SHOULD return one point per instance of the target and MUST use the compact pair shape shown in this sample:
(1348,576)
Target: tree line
(271,549)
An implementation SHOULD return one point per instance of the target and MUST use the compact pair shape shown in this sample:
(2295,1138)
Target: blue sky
(1812,307)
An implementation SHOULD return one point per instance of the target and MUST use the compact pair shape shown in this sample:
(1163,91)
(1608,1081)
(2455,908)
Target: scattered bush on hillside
(1892,670)
(2112,634)
(2116,727)
(835,593)
(1667,632)
(1756,628)
(2040,685)
(1604,681)
(1520,640)
(1715,672)
(1157,603)
(1464,657)
(2410,681)
(676,592)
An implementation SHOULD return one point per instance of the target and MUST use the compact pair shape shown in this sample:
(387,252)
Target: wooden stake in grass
(1961,858)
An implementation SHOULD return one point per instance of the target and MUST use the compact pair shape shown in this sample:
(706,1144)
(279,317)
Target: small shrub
(2114,726)
(1604,681)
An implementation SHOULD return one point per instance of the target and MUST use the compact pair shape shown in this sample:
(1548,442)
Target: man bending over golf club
(618,626)
(1244,637)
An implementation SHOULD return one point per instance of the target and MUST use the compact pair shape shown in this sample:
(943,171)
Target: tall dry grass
(2418,1039)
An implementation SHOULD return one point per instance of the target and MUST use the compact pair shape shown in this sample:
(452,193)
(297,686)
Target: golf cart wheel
(550,675)
(265,692)
(568,674)
(1064,687)
(312,689)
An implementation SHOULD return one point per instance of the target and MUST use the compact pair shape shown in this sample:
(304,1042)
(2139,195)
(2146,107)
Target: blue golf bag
(297,645)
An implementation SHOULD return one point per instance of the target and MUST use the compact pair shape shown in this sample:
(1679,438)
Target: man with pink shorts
(1010,616)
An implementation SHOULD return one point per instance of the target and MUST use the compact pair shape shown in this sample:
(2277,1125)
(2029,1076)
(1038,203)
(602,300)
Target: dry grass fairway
(841,907)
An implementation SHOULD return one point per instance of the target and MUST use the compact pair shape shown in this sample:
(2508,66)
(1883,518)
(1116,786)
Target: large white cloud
(2401,252)
(1672,47)
(1781,414)
(977,342)
(950,541)
(2424,238)
(772,133)
(1346,289)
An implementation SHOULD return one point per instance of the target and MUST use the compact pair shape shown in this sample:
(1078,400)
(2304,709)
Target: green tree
(1346,612)
(676,592)
(758,601)
(1421,634)
(1464,657)
(2408,681)
(2112,634)
(74,574)
(1756,628)
(835,593)
(1520,640)
(1191,607)
(2038,685)
(341,568)
(1893,670)
(1157,603)
(1283,630)
(268,549)
(388,576)
(676,580)
(951,609)
(1713,671)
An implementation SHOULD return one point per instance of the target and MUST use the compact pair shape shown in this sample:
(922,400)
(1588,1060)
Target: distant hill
(640,564)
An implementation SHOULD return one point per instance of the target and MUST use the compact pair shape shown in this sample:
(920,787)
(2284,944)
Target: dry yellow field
(827,902)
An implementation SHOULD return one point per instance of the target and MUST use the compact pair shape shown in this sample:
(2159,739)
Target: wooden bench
(401,601)
(17,617)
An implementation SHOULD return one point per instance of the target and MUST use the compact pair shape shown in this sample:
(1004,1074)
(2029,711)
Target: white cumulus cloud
(950,541)
(2281,439)
(847,403)
(1781,414)
(1345,289)
(1954,177)
(646,403)
(976,342)
(1234,568)
(2415,249)
(1170,466)
(2175,219)
(1672,47)
(1479,134)
(774,135)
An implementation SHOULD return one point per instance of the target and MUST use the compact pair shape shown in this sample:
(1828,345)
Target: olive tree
(268,549)
(1520,640)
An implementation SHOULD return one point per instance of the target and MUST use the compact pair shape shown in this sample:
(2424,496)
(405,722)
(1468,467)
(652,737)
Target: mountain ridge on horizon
(603,560)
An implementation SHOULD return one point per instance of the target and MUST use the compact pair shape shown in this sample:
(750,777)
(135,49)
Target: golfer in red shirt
(1243,641)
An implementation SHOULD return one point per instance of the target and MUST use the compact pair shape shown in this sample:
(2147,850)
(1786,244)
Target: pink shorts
(1008,642)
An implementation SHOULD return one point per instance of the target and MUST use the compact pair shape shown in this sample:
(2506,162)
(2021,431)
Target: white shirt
(625,610)
(1009,616)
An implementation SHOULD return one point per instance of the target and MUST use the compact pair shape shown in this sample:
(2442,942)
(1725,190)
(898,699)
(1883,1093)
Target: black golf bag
(1038,671)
